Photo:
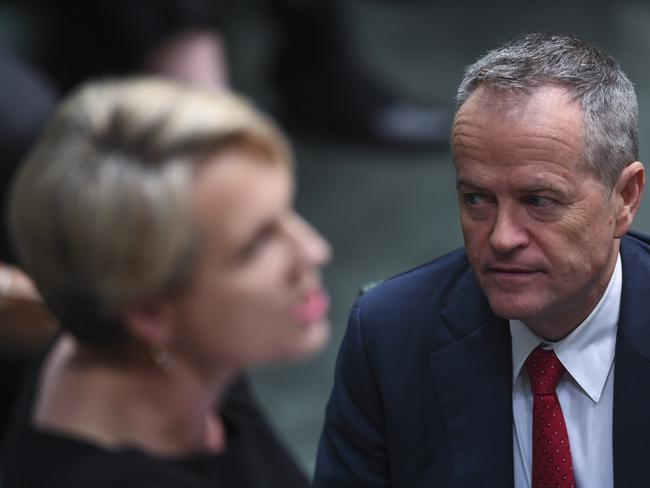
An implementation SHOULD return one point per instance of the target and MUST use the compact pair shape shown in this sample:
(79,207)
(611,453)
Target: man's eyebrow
(542,187)
(536,187)
(467,184)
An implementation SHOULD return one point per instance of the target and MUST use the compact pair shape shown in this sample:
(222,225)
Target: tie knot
(545,370)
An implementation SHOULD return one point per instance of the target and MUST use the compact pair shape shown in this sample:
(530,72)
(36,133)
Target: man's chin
(514,308)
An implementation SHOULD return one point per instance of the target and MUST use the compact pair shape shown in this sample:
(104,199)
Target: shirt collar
(588,352)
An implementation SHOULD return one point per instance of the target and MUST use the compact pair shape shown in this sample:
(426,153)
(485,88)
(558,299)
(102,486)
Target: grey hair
(591,77)
(100,211)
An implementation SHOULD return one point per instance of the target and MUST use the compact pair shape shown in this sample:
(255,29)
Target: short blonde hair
(99,212)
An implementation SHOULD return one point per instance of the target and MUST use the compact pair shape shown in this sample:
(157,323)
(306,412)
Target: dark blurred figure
(324,84)
(26,102)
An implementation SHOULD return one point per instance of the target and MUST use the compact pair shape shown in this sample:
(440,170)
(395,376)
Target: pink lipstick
(313,307)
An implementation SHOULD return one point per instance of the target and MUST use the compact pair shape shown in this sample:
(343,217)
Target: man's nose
(509,231)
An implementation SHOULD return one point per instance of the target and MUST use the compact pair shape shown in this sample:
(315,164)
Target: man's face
(540,229)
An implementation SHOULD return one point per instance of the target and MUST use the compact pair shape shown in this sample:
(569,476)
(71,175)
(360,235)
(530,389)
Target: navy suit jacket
(423,386)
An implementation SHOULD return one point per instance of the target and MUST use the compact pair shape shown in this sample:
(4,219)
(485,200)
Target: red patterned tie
(552,465)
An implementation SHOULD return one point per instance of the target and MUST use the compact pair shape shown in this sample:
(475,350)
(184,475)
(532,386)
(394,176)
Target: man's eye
(475,199)
(540,202)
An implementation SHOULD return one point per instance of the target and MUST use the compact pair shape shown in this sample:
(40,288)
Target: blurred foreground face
(256,295)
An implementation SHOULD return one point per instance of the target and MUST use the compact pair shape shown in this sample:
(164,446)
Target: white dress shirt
(586,391)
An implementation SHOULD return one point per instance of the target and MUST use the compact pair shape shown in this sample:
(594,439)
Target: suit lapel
(631,423)
(473,377)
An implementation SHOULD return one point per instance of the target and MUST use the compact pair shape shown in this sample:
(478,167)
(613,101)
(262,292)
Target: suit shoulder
(636,240)
(408,307)
(432,278)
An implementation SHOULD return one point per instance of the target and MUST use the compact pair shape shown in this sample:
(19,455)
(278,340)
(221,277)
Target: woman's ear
(151,322)
(628,190)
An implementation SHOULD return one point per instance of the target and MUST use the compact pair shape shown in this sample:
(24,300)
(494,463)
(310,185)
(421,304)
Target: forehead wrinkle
(479,176)
(540,149)
(484,108)
(528,129)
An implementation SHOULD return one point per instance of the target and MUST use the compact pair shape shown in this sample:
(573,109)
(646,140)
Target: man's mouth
(511,275)
(511,270)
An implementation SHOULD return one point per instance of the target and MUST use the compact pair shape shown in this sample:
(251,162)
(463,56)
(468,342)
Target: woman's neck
(132,403)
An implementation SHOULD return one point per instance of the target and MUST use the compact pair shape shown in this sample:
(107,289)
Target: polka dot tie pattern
(552,466)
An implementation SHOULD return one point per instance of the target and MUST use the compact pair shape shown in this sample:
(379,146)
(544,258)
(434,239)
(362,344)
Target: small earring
(161,357)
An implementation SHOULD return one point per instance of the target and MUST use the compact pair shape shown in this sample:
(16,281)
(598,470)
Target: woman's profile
(158,225)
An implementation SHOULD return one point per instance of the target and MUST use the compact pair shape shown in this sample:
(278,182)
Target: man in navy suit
(437,380)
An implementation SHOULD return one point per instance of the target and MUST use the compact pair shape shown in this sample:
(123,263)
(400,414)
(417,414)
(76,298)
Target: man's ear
(628,190)
(151,323)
